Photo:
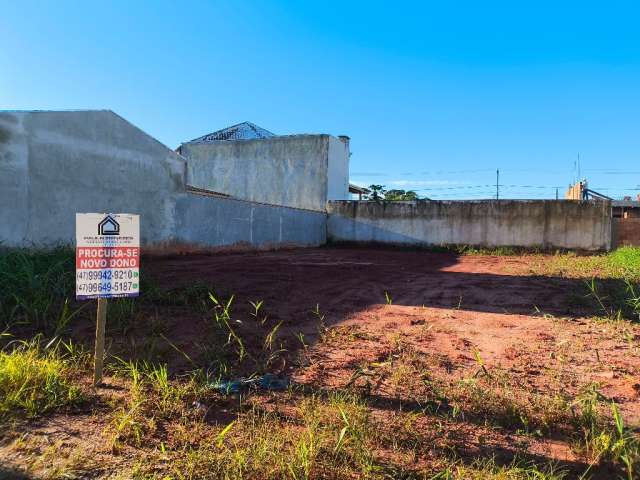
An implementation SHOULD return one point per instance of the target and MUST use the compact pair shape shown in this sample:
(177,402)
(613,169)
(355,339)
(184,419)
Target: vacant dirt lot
(443,305)
(456,358)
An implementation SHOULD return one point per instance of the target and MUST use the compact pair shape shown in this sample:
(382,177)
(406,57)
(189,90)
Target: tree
(376,192)
(379,192)
(401,195)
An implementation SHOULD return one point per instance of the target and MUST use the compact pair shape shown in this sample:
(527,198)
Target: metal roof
(626,203)
(241,131)
(353,188)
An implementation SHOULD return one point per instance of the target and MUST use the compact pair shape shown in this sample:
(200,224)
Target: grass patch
(152,399)
(35,379)
(602,439)
(614,300)
(611,285)
(490,470)
(623,263)
(329,437)
(36,289)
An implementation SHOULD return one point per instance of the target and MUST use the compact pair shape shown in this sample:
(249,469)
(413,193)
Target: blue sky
(435,95)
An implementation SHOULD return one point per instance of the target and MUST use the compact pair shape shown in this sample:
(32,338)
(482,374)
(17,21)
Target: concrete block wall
(213,221)
(531,223)
(55,164)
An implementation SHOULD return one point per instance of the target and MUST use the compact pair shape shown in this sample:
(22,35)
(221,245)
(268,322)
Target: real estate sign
(107,255)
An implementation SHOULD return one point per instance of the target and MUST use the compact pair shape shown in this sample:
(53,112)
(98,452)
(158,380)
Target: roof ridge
(242,131)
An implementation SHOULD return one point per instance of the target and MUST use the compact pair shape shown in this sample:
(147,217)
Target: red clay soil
(441,304)
(448,313)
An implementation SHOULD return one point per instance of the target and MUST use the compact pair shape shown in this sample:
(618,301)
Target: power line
(503,185)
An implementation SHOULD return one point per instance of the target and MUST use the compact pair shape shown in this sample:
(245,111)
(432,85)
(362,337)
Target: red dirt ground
(439,310)
(442,304)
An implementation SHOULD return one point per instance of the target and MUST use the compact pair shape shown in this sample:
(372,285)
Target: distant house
(241,131)
(357,190)
(248,162)
(626,208)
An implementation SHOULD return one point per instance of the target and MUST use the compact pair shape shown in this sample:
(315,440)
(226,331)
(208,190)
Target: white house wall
(287,171)
(338,170)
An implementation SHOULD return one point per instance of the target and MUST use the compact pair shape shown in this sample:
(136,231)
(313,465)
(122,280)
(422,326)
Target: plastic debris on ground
(268,381)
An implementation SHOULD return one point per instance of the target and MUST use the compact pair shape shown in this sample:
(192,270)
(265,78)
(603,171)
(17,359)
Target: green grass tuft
(626,260)
(35,380)
(35,288)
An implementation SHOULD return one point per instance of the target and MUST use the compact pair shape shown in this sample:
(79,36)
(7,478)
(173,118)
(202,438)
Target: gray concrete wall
(55,164)
(531,223)
(213,221)
(290,171)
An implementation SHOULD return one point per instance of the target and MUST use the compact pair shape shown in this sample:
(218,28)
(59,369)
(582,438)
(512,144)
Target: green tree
(400,195)
(376,192)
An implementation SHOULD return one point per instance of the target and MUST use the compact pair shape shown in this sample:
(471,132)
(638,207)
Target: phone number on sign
(106,274)
(107,287)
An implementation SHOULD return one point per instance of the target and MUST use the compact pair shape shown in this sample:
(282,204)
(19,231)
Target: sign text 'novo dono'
(107,255)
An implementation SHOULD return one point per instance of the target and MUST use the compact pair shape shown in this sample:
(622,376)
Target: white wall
(298,171)
(338,170)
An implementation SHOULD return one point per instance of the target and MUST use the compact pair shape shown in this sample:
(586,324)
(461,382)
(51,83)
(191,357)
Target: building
(241,186)
(625,213)
(250,163)
(626,208)
(358,191)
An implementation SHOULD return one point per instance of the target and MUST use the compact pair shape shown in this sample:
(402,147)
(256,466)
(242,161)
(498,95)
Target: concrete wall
(211,221)
(338,170)
(290,171)
(54,164)
(532,223)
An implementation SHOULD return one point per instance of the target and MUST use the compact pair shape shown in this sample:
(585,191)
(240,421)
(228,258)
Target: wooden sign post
(101,325)
(107,266)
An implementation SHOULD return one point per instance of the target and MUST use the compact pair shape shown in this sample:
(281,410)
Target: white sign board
(107,255)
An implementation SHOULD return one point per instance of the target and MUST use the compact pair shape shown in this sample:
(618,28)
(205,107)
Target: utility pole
(498,184)
(556,193)
(579,173)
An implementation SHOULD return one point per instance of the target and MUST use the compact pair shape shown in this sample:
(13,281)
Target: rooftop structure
(241,131)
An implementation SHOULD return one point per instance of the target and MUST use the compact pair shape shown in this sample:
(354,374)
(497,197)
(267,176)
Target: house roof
(626,203)
(241,131)
(357,189)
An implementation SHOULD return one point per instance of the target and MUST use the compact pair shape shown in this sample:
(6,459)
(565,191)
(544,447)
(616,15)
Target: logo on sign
(108,226)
